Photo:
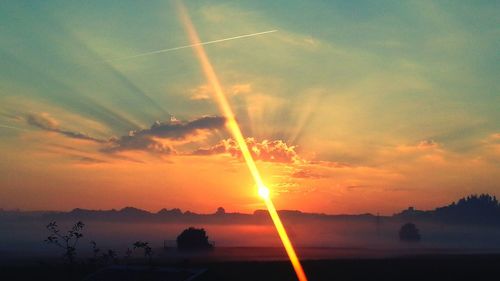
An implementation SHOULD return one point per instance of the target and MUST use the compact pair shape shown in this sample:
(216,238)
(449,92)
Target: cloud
(266,150)
(495,137)
(89,160)
(204,92)
(330,164)
(43,121)
(492,147)
(306,174)
(159,136)
(46,122)
(237,89)
(426,144)
(291,188)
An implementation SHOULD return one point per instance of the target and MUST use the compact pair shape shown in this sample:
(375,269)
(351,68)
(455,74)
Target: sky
(350,107)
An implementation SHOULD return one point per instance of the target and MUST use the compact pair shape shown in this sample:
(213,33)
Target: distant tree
(148,251)
(409,233)
(220,211)
(67,241)
(193,239)
(477,209)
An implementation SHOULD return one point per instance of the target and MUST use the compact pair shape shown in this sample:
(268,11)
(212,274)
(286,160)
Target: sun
(264,192)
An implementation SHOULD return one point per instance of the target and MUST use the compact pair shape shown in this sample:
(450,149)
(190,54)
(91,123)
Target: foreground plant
(67,241)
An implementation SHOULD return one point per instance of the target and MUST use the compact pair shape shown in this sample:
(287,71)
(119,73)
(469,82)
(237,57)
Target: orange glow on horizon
(236,132)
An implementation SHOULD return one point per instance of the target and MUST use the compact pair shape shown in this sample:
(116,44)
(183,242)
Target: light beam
(236,132)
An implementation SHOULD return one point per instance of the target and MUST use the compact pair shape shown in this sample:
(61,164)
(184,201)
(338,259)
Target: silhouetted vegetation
(482,208)
(67,241)
(409,233)
(148,251)
(196,239)
(193,239)
(109,256)
(220,211)
(106,257)
(473,209)
(127,256)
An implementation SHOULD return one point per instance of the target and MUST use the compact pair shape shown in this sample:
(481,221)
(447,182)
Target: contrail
(192,45)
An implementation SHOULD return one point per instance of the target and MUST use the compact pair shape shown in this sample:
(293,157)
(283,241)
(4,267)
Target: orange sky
(394,107)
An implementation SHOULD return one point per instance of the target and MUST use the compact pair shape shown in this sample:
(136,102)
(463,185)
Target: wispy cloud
(45,122)
(204,92)
(306,174)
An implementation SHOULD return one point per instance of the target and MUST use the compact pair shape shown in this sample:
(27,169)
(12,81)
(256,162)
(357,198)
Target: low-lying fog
(348,238)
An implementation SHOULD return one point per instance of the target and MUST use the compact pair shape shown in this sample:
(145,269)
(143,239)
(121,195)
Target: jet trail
(192,45)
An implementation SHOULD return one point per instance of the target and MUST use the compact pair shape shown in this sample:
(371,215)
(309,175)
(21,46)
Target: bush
(193,239)
(409,233)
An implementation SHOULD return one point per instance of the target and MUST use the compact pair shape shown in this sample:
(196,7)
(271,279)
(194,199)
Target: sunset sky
(350,107)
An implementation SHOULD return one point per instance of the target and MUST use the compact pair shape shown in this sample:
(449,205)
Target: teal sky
(354,82)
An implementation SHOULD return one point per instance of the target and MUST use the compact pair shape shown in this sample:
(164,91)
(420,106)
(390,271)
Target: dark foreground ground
(435,267)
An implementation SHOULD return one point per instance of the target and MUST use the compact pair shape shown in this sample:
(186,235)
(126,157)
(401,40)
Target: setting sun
(264,192)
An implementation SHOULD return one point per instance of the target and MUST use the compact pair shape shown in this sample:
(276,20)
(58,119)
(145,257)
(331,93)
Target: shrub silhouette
(148,251)
(67,241)
(193,239)
(220,211)
(409,233)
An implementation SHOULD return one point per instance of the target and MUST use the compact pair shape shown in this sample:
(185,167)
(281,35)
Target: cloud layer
(156,138)
(266,150)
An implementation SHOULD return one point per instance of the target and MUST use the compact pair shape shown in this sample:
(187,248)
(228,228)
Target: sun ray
(237,134)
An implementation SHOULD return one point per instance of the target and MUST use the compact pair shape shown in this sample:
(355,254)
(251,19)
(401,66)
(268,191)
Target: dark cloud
(47,123)
(175,129)
(266,150)
(152,139)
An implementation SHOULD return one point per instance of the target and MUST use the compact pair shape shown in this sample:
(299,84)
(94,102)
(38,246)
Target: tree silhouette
(193,239)
(483,208)
(220,211)
(68,241)
(148,251)
(409,233)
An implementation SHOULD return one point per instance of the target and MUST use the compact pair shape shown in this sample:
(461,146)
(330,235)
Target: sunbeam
(237,134)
